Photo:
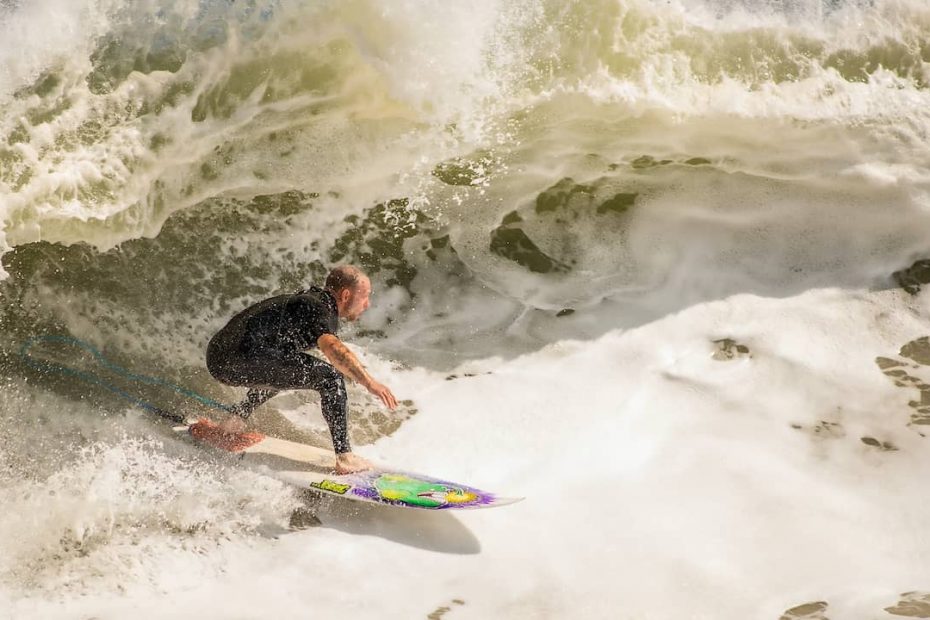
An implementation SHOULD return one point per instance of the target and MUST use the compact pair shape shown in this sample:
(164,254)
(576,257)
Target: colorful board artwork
(311,467)
(404,489)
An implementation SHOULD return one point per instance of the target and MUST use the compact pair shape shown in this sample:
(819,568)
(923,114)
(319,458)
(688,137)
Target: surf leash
(94,379)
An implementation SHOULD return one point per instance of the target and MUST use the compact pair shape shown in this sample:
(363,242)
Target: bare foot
(348,463)
(232,424)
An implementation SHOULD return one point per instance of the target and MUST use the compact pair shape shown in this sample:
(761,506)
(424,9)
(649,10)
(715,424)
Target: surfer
(263,348)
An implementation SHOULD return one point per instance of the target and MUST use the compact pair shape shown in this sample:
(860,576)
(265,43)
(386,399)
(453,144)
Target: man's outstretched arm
(345,362)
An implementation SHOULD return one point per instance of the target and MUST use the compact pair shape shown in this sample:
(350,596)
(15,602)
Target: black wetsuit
(263,347)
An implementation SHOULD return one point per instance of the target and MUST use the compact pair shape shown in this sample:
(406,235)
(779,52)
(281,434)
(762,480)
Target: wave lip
(128,113)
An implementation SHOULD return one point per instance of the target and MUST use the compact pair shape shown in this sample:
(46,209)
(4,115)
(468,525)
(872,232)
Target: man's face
(354,301)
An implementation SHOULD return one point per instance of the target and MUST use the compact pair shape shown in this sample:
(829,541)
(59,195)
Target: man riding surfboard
(263,348)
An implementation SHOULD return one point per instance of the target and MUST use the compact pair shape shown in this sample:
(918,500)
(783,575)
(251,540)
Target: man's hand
(348,463)
(384,393)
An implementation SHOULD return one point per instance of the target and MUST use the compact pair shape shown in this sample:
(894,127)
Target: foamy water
(632,261)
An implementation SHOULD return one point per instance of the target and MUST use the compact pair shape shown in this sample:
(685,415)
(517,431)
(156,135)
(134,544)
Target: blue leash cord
(89,377)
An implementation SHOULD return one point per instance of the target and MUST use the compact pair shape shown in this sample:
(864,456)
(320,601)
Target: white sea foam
(660,483)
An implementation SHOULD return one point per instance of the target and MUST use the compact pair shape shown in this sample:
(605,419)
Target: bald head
(351,288)
(343,277)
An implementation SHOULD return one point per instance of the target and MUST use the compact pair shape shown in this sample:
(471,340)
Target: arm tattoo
(345,361)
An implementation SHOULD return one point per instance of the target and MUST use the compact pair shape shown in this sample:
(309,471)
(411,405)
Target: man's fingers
(384,394)
(388,399)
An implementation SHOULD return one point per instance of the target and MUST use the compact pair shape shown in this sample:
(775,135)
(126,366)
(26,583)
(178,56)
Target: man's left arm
(345,362)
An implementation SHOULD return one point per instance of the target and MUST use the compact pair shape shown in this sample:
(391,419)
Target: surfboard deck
(310,467)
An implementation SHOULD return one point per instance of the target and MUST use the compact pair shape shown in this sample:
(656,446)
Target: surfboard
(310,467)
(297,464)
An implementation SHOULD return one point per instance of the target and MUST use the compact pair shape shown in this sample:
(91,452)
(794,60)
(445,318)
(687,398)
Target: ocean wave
(540,156)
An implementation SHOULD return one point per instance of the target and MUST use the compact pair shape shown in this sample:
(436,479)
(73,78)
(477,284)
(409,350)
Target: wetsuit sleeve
(315,318)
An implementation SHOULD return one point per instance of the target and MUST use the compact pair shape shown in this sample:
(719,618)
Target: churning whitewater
(660,268)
